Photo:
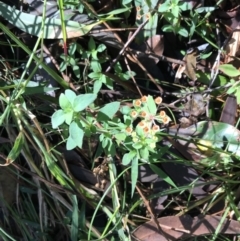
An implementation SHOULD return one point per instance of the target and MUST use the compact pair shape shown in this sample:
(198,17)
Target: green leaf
(151,105)
(97,86)
(175,11)
(94,75)
(76,134)
(238,95)
(125,2)
(57,118)
(96,66)
(72,48)
(205,9)
(205,56)
(185,6)
(183,32)
(68,117)
(128,157)
(125,110)
(219,134)
(164,7)
(109,110)
(134,173)
(115,12)
(162,174)
(137,145)
(144,153)
(101,48)
(105,142)
(111,150)
(229,70)
(83,101)
(64,103)
(70,95)
(75,218)
(17,148)
(167,28)
(70,144)
(91,44)
(120,137)
(32,24)
(76,71)
(231,90)
(205,79)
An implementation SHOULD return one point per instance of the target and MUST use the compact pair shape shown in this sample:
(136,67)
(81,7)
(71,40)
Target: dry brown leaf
(184,227)
(155,44)
(229,111)
(233,46)
(190,68)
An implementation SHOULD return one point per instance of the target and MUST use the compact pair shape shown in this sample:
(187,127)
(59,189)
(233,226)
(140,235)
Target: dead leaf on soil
(190,68)
(184,227)
(155,44)
(229,111)
(232,47)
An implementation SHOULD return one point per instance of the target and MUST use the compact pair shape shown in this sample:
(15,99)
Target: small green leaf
(96,66)
(111,150)
(57,118)
(167,28)
(94,75)
(205,56)
(205,9)
(68,117)
(76,134)
(175,11)
(105,142)
(144,153)
(76,71)
(183,32)
(231,90)
(70,95)
(127,158)
(137,145)
(238,95)
(17,148)
(101,48)
(72,48)
(97,86)
(125,110)
(185,6)
(91,44)
(75,218)
(120,137)
(164,7)
(94,55)
(134,173)
(70,144)
(109,110)
(151,105)
(83,101)
(64,103)
(229,70)
(115,12)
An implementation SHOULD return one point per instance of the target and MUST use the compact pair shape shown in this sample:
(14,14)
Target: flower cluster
(146,110)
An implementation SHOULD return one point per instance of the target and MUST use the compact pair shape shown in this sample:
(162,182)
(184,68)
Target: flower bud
(137,103)
(158,100)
